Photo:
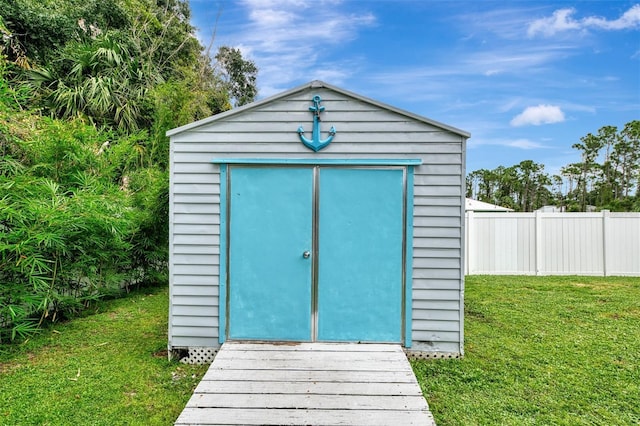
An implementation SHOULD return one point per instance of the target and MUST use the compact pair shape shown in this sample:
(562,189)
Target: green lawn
(109,368)
(542,351)
(539,351)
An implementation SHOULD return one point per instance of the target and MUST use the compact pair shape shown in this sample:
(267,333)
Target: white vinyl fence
(539,243)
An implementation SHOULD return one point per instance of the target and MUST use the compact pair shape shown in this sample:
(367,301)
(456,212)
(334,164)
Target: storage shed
(317,215)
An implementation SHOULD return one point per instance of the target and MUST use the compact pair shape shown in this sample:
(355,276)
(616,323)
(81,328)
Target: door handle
(306,254)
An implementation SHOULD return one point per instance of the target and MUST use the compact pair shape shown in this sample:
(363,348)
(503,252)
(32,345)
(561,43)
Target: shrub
(71,228)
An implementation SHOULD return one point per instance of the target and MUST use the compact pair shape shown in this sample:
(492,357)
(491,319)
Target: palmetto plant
(99,80)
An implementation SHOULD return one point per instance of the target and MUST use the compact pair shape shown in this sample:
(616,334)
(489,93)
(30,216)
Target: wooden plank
(307,388)
(443,243)
(188,269)
(453,305)
(251,124)
(204,188)
(197,248)
(422,284)
(318,365)
(193,321)
(196,198)
(189,341)
(442,347)
(331,347)
(194,280)
(196,239)
(196,219)
(195,288)
(195,332)
(196,208)
(194,258)
(272,131)
(196,229)
(436,314)
(318,376)
(307,355)
(196,300)
(301,401)
(421,324)
(231,416)
(436,336)
(196,311)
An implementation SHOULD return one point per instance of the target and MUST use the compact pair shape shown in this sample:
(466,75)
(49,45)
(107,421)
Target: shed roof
(316,84)
(481,206)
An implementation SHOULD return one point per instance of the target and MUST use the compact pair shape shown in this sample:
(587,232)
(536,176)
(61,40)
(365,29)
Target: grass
(542,351)
(108,368)
(539,351)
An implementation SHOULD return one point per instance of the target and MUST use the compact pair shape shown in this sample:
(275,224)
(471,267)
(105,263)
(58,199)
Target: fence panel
(622,249)
(553,243)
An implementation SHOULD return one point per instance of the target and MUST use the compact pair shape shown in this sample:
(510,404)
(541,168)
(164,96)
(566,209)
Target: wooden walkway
(308,384)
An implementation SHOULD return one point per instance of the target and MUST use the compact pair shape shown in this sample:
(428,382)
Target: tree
(590,148)
(102,59)
(239,73)
(608,176)
(609,167)
(533,182)
(522,187)
(572,173)
(44,27)
(606,179)
(626,158)
(472,182)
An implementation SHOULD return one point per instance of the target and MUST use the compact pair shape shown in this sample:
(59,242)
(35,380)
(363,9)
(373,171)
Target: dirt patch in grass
(161,354)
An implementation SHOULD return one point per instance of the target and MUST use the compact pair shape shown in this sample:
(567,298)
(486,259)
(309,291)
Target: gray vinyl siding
(364,130)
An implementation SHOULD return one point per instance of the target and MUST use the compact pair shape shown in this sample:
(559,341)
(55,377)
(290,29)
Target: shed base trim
(204,355)
(413,355)
(195,355)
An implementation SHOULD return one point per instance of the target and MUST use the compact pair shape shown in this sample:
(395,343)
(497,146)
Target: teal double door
(315,253)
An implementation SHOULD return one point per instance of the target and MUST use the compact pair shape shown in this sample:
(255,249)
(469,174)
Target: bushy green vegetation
(542,351)
(78,218)
(88,90)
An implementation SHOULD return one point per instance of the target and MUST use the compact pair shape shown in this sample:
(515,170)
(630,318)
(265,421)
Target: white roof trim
(316,84)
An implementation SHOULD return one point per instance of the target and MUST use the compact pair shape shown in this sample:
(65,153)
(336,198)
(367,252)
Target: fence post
(469,242)
(538,242)
(605,241)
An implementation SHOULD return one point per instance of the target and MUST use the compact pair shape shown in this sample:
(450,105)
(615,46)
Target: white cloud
(513,59)
(505,22)
(289,48)
(536,115)
(562,20)
(630,19)
(524,144)
(508,105)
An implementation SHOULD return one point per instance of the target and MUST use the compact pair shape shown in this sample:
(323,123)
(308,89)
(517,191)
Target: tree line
(88,89)
(607,177)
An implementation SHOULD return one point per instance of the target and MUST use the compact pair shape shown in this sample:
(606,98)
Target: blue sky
(527,79)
